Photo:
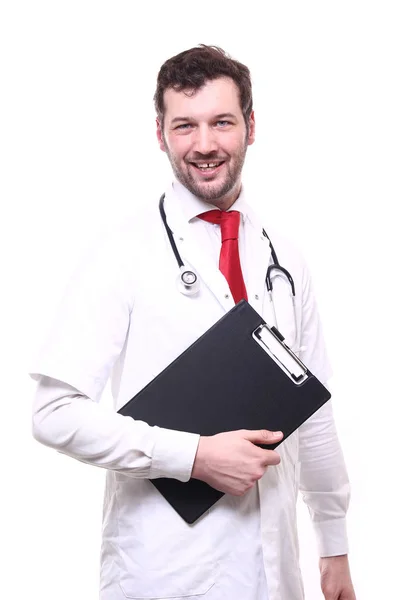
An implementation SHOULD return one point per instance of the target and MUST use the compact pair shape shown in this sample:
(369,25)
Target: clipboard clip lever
(272,342)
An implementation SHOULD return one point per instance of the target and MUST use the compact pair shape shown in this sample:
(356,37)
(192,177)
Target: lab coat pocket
(160,555)
(184,582)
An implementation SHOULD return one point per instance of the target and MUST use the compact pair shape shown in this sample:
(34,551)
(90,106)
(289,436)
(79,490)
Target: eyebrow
(216,117)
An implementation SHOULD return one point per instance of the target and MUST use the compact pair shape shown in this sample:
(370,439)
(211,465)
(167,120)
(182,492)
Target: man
(124,314)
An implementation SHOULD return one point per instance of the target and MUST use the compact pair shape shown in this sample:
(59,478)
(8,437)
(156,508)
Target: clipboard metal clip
(272,342)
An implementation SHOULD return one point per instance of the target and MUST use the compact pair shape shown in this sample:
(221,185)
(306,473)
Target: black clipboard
(238,375)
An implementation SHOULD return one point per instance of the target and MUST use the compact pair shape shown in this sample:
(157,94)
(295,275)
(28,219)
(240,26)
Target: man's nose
(205,140)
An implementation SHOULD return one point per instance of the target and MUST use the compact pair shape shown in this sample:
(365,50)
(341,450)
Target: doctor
(127,315)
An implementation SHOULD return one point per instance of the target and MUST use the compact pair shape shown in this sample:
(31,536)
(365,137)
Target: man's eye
(222,123)
(184,126)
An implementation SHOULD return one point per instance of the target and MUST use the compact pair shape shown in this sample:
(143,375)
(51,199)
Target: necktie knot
(229,222)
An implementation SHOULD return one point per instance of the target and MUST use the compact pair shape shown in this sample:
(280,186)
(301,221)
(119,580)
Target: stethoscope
(189,284)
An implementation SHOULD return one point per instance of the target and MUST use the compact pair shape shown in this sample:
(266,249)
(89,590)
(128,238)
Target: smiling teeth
(207,165)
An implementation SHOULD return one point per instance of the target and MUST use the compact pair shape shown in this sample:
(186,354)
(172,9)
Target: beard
(205,188)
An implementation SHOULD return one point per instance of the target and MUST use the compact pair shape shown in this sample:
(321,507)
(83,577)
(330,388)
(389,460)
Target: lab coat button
(256,296)
(226,296)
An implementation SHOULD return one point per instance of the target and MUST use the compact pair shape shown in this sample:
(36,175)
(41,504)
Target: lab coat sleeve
(323,479)
(74,365)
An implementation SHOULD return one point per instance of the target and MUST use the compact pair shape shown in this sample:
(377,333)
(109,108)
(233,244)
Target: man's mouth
(207,167)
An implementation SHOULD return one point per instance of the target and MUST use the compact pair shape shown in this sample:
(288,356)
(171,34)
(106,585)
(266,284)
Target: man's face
(206,140)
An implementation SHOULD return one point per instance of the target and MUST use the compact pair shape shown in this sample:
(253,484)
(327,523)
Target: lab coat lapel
(193,255)
(258,257)
(204,265)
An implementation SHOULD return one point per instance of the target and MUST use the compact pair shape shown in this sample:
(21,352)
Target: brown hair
(191,69)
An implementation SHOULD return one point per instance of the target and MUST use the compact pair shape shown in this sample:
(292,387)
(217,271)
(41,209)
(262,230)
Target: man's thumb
(263,436)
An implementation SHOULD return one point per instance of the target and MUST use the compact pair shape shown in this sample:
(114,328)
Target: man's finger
(271,458)
(262,436)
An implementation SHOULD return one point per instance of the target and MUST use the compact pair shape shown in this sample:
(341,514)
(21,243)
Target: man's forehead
(215,96)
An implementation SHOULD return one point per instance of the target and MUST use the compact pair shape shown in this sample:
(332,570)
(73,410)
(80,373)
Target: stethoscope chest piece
(188,282)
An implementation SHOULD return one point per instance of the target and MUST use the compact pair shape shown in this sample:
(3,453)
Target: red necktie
(229,261)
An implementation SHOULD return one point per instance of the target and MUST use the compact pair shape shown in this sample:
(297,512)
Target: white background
(78,147)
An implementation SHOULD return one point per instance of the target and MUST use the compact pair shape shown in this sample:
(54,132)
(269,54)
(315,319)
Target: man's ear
(160,136)
(252,129)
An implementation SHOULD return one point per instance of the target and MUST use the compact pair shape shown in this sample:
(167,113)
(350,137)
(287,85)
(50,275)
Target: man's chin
(209,188)
(209,193)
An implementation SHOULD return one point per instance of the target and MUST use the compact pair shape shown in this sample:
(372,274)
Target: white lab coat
(124,317)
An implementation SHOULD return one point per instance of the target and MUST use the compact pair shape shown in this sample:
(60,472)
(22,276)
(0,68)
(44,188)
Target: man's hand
(336,581)
(231,462)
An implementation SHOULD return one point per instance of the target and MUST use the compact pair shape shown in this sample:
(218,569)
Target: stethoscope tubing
(275,266)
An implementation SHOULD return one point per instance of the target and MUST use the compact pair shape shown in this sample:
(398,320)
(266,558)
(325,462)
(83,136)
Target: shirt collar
(191,205)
